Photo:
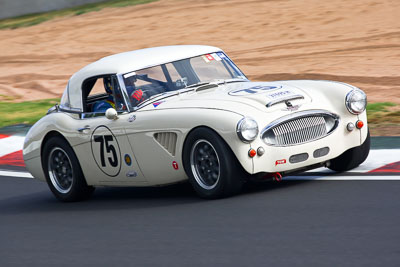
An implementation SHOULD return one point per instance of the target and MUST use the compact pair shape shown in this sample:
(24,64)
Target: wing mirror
(111,114)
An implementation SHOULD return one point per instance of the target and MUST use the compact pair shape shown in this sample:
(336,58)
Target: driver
(136,95)
(102,106)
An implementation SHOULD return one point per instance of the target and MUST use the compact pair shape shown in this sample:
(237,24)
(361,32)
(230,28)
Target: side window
(102,93)
(98,88)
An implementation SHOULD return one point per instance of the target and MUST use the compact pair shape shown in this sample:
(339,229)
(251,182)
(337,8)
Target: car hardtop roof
(130,61)
(139,59)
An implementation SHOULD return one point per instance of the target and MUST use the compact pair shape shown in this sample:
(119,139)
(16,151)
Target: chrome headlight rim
(349,101)
(239,129)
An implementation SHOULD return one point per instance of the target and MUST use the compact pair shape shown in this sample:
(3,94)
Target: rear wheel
(352,157)
(63,173)
(213,170)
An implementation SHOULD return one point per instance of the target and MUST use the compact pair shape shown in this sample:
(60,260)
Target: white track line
(11,144)
(15,174)
(287,178)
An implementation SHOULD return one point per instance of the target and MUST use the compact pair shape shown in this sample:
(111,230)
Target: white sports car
(163,115)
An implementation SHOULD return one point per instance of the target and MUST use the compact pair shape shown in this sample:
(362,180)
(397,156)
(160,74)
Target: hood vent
(167,140)
(284,99)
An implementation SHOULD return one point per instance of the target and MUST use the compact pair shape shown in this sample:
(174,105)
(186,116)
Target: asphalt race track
(349,219)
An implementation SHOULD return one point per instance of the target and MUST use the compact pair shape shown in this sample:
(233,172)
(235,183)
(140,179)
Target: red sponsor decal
(209,57)
(280,161)
(13,159)
(392,167)
(175,165)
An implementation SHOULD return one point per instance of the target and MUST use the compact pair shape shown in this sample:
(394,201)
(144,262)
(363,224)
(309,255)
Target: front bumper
(290,158)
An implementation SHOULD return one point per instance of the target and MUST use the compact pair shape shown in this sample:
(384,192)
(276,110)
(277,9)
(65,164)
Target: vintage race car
(163,115)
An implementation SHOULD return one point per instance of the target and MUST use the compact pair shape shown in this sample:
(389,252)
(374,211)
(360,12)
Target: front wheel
(63,173)
(352,157)
(211,166)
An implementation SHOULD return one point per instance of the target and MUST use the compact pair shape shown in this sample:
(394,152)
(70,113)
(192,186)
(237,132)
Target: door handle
(87,127)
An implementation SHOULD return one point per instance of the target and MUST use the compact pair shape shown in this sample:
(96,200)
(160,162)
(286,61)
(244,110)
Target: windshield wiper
(234,80)
(197,84)
(217,81)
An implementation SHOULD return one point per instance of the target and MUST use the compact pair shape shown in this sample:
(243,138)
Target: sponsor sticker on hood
(279,94)
(259,89)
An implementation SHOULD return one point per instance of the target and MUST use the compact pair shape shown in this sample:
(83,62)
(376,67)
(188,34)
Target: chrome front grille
(300,128)
(300,131)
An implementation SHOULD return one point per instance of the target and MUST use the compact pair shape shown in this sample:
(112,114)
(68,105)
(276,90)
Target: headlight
(356,101)
(247,129)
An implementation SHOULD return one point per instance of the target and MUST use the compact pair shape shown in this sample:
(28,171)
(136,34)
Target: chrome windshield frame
(124,92)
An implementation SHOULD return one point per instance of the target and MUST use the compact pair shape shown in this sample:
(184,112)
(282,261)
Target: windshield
(181,74)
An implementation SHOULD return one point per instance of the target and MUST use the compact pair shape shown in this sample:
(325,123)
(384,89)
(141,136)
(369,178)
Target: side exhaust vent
(167,140)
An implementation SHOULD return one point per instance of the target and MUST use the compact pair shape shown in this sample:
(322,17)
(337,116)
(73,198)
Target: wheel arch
(215,132)
(79,189)
(231,174)
(47,137)
(50,135)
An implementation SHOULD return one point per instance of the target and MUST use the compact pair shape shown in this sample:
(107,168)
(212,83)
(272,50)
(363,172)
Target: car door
(105,152)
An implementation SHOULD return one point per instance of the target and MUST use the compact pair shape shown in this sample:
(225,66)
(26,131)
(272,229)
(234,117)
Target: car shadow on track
(129,198)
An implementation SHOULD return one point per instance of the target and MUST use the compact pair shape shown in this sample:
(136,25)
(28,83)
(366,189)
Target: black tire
(211,166)
(63,173)
(352,157)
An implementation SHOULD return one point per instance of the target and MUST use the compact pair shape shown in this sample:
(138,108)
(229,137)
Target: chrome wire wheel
(205,164)
(60,170)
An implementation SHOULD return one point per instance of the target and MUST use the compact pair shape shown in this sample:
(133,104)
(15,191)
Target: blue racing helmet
(108,85)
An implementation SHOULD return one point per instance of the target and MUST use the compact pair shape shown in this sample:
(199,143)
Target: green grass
(384,119)
(24,112)
(379,107)
(34,19)
(383,113)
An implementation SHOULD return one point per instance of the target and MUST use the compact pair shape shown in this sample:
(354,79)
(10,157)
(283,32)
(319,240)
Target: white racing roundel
(106,151)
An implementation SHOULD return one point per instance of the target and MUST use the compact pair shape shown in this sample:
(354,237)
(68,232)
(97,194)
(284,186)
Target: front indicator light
(359,124)
(252,153)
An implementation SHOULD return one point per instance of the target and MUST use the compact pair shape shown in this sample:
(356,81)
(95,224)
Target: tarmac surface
(293,223)
(348,219)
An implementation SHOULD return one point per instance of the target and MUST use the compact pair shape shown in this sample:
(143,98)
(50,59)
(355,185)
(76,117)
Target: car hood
(267,96)
(241,97)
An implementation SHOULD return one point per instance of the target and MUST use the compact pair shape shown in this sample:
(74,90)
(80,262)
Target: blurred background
(43,42)
(12,8)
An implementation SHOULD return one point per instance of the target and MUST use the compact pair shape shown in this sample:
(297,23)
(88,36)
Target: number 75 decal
(106,151)
(104,142)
